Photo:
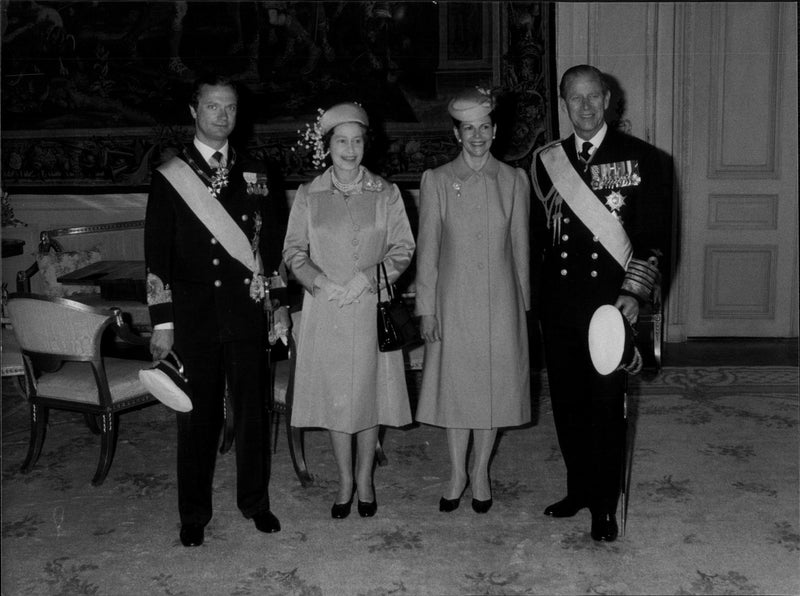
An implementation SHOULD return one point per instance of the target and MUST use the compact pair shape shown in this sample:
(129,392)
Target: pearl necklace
(348,188)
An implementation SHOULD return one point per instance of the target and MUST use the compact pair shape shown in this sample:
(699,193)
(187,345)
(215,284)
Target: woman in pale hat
(472,291)
(342,224)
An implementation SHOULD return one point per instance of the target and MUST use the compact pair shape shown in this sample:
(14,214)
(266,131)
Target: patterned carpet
(713,509)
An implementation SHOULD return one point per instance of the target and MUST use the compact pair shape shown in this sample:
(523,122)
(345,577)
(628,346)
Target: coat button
(593,273)
(245,217)
(594,239)
(354,242)
(356,228)
(565,237)
(594,255)
(215,261)
(563,273)
(564,255)
(246,280)
(566,220)
(217,283)
(355,257)
(213,241)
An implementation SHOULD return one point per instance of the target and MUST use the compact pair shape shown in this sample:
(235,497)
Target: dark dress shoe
(481,506)
(192,535)
(604,527)
(266,522)
(341,510)
(564,508)
(367,509)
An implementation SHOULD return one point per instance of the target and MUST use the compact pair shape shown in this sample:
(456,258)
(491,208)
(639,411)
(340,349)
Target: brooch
(256,183)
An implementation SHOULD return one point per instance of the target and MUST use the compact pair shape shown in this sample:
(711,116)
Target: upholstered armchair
(66,369)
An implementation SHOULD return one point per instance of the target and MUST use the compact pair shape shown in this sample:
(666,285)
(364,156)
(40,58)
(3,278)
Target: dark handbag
(396,325)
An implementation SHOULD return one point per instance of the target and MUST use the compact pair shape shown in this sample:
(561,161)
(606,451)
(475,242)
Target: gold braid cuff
(641,277)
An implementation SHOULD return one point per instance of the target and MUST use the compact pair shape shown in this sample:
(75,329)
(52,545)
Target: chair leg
(93,422)
(39,415)
(276,416)
(380,456)
(108,445)
(298,454)
(227,425)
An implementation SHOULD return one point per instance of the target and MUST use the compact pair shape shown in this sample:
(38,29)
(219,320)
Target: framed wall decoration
(95,94)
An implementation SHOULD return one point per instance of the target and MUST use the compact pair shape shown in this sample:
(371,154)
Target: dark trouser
(588,413)
(207,367)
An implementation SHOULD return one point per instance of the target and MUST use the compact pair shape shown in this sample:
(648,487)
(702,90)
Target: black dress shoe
(564,508)
(266,522)
(481,506)
(366,509)
(341,510)
(192,535)
(604,527)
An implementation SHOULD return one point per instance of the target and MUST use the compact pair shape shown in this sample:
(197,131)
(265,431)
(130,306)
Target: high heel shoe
(342,510)
(448,505)
(481,506)
(367,509)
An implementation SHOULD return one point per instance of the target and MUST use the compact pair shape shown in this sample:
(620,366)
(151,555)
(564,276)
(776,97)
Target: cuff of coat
(640,278)
(161,313)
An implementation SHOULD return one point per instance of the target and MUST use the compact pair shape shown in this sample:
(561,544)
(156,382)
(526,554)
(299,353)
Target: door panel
(738,265)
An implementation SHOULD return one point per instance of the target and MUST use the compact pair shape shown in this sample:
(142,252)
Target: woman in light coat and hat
(472,291)
(342,224)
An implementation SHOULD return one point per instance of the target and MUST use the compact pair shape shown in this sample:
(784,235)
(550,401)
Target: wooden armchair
(281,398)
(65,369)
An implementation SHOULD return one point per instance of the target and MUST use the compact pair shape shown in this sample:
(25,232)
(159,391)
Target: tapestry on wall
(96,93)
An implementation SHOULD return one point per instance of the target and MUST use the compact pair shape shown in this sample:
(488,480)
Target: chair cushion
(11,355)
(53,265)
(75,382)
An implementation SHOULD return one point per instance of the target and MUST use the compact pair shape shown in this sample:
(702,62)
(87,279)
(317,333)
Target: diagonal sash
(211,213)
(585,205)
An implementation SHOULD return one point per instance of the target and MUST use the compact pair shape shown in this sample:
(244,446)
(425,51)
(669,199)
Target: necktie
(584,154)
(216,160)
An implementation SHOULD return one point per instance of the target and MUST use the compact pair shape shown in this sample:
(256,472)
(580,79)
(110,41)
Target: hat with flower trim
(341,113)
(471,104)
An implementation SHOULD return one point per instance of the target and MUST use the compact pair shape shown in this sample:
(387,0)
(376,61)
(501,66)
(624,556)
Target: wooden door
(737,270)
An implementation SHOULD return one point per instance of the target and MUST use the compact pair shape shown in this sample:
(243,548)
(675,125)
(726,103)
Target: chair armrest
(24,278)
(123,330)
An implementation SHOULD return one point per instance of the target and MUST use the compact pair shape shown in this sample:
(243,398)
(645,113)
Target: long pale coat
(473,274)
(342,381)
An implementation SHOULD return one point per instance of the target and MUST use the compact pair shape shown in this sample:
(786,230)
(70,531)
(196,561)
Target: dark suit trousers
(207,366)
(588,413)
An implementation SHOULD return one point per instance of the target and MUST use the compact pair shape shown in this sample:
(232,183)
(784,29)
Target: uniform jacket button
(215,261)
(593,273)
(564,255)
(244,217)
(563,273)
(566,220)
(594,255)
(217,283)
(565,237)
(246,280)
(213,241)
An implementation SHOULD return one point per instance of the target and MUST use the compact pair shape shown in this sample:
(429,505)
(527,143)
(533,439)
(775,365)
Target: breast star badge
(615,201)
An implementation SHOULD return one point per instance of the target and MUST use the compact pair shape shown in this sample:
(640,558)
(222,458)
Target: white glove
(354,288)
(333,290)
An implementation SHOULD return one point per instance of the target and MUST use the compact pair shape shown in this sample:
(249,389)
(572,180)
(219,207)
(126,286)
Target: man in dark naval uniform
(599,230)
(212,229)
